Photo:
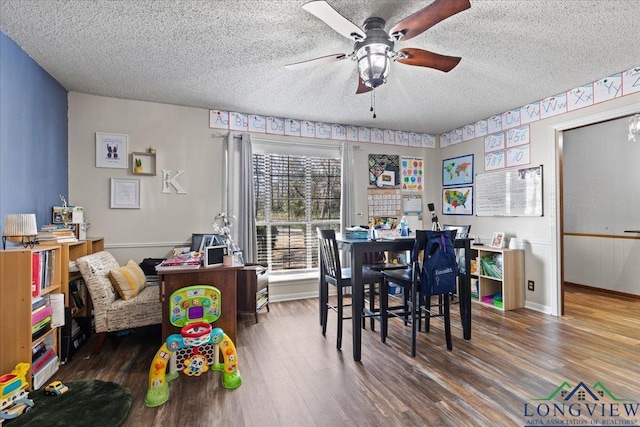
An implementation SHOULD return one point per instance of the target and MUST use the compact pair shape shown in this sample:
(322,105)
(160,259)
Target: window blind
(295,194)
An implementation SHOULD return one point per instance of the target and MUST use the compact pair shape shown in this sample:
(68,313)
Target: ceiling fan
(373,49)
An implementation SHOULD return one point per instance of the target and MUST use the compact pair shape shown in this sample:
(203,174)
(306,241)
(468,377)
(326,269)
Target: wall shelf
(148,163)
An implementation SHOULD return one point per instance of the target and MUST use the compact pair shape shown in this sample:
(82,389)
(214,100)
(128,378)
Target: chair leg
(447,322)
(406,295)
(415,315)
(427,318)
(372,306)
(384,304)
(101,337)
(423,303)
(340,318)
(324,299)
(363,320)
(324,309)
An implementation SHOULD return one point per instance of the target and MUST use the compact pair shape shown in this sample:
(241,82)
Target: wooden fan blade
(317,61)
(332,18)
(426,18)
(424,58)
(362,88)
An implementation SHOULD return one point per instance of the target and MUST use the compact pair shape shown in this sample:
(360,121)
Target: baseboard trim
(293,296)
(602,290)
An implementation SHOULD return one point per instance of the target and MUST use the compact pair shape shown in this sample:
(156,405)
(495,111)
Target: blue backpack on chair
(439,268)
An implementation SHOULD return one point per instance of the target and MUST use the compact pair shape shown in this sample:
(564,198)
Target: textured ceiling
(230,55)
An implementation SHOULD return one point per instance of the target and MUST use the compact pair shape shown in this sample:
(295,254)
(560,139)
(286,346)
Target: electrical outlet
(530,285)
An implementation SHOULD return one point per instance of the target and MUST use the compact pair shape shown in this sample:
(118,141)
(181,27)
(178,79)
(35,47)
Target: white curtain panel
(240,199)
(347,210)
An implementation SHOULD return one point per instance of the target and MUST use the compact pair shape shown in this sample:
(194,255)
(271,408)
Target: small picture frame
(125,193)
(497,241)
(111,150)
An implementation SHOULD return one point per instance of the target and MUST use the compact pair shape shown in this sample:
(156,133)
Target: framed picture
(457,201)
(457,170)
(125,193)
(384,170)
(111,150)
(497,241)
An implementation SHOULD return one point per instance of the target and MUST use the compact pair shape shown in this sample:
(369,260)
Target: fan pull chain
(373,103)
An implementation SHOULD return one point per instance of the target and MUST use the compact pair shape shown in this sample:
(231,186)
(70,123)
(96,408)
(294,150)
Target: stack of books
(58,233)
(491,265)
(41,313)
(41,354)
(181,261)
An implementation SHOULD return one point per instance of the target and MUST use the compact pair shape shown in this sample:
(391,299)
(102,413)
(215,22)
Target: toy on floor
(14,397)
(198,347)
(56,388)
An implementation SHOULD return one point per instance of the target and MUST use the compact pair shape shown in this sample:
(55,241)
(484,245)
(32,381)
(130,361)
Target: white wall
(184,142)
(538,235)
(603,262)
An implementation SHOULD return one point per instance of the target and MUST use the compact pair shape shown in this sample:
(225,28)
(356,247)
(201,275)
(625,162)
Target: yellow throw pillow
(128,280)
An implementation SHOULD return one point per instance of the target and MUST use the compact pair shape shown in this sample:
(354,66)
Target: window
(295,194)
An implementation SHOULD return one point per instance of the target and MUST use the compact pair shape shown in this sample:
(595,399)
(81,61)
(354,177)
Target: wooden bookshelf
(16,341)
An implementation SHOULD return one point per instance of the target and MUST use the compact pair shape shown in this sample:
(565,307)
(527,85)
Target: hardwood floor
(293,376)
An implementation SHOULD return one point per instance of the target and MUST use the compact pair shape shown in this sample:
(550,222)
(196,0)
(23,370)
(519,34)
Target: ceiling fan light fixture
(373,64)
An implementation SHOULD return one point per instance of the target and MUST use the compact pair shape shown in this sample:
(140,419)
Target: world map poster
(457,171)
(457,201)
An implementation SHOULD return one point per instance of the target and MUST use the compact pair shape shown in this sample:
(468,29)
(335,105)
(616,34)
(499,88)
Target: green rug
(87,403)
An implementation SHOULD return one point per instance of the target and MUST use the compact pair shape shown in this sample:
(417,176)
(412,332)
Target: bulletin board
(514,192)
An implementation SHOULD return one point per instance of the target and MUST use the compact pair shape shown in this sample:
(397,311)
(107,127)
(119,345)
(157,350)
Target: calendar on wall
(385,203)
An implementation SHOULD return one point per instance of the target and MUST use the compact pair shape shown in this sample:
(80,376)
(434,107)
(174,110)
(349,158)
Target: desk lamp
(20,228)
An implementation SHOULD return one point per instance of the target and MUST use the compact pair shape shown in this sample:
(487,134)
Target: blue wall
(33,136)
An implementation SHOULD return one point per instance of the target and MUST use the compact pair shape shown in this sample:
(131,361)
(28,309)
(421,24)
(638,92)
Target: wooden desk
(223,278)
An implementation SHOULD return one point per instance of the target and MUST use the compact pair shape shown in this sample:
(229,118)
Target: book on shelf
(42,266)
(78,336)
(75,288)
(58,234)
(78,340)
(37,302)
(35,274)
(40,324)
(38,350)
(40,362)
(40,314)
(40,332)
(491,265)
(262,301)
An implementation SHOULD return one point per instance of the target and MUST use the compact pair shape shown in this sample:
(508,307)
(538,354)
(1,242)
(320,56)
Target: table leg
(357,302)
(465,308)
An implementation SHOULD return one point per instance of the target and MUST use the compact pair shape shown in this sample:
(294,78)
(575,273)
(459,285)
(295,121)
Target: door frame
(557,225)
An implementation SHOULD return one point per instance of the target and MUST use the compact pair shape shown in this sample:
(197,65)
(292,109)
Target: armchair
(111,312)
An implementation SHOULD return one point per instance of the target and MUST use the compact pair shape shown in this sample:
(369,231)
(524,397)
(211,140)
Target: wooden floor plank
(294,376)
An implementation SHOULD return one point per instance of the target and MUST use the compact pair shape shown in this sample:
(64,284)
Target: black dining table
(358,247)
